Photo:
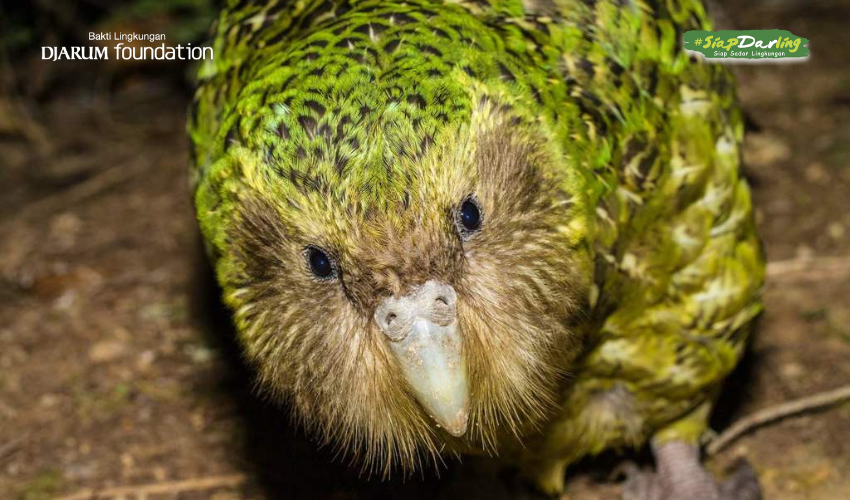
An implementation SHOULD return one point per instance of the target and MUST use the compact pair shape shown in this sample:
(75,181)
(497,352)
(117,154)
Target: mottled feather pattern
(598,146)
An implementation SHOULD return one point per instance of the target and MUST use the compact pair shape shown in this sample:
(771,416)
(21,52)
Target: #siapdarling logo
(747,44)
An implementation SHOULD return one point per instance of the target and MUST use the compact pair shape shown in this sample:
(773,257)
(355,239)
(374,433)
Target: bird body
(561,169)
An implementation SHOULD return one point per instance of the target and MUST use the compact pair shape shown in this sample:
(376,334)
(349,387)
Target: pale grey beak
(422,331)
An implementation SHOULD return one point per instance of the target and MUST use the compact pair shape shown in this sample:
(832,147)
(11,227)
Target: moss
(42,486)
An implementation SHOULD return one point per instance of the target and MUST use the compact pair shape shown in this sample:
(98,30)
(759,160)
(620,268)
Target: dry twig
(775,413)
(142,491)
(11,446)
(808,268)
(99,183)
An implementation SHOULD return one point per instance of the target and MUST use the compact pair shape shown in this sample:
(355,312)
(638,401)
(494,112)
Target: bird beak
(423,335)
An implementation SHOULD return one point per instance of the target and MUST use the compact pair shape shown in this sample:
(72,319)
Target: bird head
(405,259)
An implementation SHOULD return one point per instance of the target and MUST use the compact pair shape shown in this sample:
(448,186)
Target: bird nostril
(442,301)
(388,320)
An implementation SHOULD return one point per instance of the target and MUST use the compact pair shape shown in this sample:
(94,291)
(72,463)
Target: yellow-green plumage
(357,122)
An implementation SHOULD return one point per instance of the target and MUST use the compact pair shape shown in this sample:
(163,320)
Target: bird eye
(320,264)
(468,218)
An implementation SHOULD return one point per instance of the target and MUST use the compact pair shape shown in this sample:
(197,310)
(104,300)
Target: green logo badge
(746,44)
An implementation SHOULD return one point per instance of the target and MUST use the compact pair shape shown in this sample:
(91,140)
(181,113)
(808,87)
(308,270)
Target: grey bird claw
(689,481)
(742,483)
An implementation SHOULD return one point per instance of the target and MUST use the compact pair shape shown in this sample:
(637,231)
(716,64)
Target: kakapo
(508,227)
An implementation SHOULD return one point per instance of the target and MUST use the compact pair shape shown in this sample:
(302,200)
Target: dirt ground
(116,368)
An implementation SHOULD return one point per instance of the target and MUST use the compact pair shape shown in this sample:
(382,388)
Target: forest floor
(117,375)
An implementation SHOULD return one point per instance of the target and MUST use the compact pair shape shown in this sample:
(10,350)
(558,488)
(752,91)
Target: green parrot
(505,227)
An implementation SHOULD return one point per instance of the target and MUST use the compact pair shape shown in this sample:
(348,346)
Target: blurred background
(118,375)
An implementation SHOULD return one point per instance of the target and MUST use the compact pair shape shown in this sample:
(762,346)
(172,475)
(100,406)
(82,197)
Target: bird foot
(680,476)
